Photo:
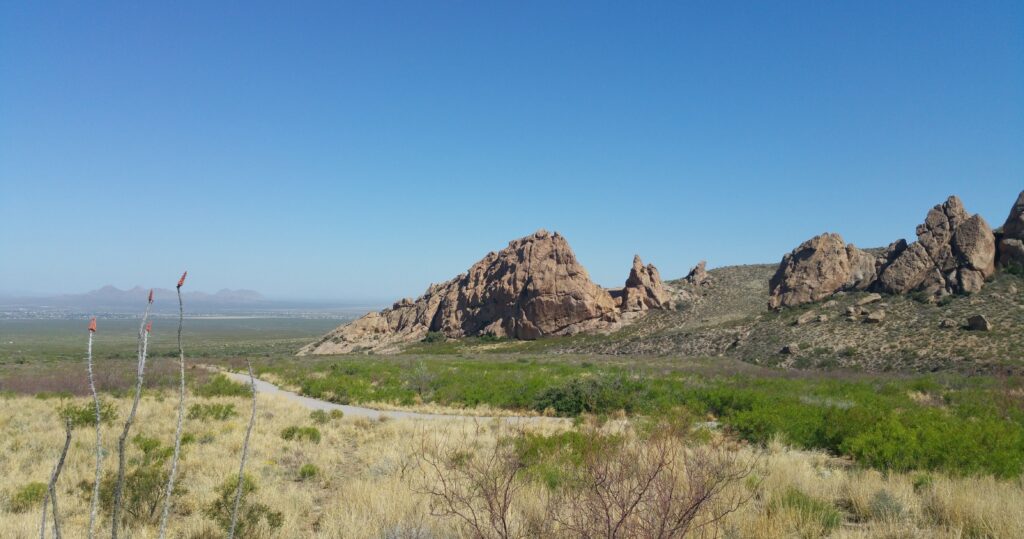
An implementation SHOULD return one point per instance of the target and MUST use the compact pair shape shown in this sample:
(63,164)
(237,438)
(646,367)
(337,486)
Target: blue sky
(363,150)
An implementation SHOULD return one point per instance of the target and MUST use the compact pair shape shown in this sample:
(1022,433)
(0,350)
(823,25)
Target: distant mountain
(116,295)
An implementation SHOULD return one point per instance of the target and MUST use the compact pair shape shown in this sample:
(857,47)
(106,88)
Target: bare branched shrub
(476,486)
(181,415)
(140,368)
(659,487)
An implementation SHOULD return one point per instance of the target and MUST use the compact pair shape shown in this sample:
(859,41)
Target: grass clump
(308,471)
(310,434)
(217,411)
(322,417)
(816,518)
(27,497)
(222,386)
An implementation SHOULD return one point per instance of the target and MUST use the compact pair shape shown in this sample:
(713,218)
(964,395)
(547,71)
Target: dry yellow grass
(365,488)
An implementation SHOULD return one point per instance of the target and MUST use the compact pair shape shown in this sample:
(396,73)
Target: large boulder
(954,252)
(532,288)
(818,268)
(1011,246)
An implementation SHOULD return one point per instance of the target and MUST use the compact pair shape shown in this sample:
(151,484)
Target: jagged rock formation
(1011,244)
(698,274)
(643,289)
(955,252)
(533,287)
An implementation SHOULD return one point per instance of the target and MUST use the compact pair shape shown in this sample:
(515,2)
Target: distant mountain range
(112,300)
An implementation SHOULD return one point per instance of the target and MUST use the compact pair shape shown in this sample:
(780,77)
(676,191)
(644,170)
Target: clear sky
(363,150)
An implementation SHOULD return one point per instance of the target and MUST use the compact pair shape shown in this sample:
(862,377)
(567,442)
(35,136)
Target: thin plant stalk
(245,453)
(99,441)
(143,341)
(169,491)
(51,491)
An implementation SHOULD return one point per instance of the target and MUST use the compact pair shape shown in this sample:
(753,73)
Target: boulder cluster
(532,288)
(955,252)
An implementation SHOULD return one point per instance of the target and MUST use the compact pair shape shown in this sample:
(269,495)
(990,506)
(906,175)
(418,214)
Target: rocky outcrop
(698,274)
(1011,244)
(954,252)
(818,268)
(532,288)
(643,289)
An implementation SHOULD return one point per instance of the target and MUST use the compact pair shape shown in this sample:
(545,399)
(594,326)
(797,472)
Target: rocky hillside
(535,287)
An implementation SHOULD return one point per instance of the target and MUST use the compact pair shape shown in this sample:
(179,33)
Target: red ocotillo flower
(151,294)
(92,324)
(149,326)
(182,280)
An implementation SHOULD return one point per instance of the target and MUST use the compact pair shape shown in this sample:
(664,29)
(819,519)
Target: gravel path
(268,388)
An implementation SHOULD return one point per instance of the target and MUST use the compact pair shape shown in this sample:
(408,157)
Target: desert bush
(310,434)
(653,487)
(143,491)
(434,336)
(308,471)
(322,417)
(221,386)
(206,412)
(26,497)
(475,488)
(85,415)
(255,520)
(590,394)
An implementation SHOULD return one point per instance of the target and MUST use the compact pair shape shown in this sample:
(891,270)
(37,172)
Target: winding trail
(267,388)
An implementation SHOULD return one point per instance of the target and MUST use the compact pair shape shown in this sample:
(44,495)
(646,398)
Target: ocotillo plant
(51,491)
(181,414)
(245,453)
(99,442)
(143,341)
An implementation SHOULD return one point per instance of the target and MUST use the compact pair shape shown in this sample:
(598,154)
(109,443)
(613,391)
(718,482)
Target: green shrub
(592,395)
(322,417)
(255,520)
(311,434)
(144,482)
(205,412)
(434,336)
(85,415)
(553,460)
(308,471)
(27,497)
(820,512)
(221,386)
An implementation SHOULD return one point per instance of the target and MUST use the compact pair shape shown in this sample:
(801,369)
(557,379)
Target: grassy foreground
(366,479)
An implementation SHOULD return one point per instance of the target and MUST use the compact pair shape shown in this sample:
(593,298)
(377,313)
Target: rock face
(954,252)
(1011,246)
(533,287)
(643,289)
(818,268)
(699,274)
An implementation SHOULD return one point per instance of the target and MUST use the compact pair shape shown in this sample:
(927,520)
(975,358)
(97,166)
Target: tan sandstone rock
(533,287)
(1011,246)
(954,252)
(813,271)
(698,274)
